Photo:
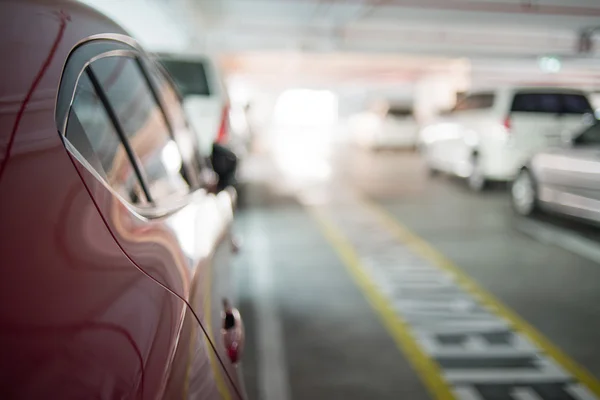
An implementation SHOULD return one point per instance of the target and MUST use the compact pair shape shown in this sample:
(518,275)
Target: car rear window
(553,103)
(399,112)
(189,76)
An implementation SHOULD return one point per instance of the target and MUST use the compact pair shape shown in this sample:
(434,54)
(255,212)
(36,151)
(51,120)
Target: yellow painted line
(429,253)
(427,369)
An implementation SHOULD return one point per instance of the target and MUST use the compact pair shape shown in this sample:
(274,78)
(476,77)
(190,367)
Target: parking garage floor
(381,282)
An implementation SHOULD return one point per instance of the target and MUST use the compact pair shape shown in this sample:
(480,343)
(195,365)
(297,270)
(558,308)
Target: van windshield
(189,76)
(552,103)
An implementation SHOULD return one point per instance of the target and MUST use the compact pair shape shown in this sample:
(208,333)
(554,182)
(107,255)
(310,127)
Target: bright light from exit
(303,124)
(306,107)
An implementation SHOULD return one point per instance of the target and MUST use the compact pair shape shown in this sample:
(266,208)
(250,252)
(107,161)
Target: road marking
(427,251)
(272,366)
(579,392)
(525,394)
(425,366)
(430,307)
(467,393)
(548,234)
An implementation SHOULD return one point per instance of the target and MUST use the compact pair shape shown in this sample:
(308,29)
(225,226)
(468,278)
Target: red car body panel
(96,300)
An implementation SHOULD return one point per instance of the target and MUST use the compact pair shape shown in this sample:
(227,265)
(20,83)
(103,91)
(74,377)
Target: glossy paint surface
(93,294)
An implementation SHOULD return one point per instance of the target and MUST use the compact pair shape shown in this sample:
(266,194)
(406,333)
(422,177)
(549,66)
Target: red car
(115,239)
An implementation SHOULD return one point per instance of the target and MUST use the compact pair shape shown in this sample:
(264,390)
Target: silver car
(565,180)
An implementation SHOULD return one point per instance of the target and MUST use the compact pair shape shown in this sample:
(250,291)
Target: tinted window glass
(92,133)
(536,102)
(399,112)
(183,132)
(478,101)
(189,76)
(590,136)
(576,104)
(554,103)
(143,124)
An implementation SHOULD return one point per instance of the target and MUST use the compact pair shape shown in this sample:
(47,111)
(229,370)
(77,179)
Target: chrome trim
(153,210)
(112,53)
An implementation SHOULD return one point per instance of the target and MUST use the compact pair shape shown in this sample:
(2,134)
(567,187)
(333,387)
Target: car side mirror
(224,163)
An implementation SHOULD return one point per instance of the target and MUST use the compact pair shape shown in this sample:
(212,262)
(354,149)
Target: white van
(491,135)
(204,97)
(394,126)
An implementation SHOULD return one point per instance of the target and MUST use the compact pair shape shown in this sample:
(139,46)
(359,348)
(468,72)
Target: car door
(172,227)
(217,285)
(536,122)
(568,178)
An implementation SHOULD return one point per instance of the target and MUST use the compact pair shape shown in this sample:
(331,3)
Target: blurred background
(350,110)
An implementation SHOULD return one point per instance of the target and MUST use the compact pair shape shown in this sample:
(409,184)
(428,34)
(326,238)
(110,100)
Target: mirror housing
(224,163)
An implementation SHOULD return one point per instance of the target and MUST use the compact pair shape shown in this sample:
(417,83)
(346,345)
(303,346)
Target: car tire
(476,180)
(523,193)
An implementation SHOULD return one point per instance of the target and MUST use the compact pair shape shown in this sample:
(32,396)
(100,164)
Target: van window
(189,76)
(399,112)
(478,101)
(91,131)
(143,123)
(552,103)
(576,104)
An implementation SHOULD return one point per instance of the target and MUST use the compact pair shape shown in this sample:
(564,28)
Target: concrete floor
(312,334)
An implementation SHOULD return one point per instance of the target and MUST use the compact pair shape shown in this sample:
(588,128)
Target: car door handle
(233,332)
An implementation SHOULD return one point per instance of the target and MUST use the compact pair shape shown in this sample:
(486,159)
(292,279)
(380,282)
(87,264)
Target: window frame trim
(151,209)
(100,92)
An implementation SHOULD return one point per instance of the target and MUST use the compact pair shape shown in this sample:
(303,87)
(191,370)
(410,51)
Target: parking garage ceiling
(503,39)
(448,27)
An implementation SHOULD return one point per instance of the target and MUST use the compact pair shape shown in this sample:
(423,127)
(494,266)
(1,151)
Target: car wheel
(477,179)
(523,193)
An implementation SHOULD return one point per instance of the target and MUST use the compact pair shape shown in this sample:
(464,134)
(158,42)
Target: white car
(204,97)
(564,179)
(490,135)
(394,127)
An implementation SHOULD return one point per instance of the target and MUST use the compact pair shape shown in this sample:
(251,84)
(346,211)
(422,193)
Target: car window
(190,76)
(553,103)
(478,101)
(576,104)
(590,136)
(91,131)
(143,123)
(182,131)
(536,102)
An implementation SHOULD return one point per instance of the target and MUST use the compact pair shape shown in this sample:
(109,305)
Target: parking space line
(427,369)
(425,250)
